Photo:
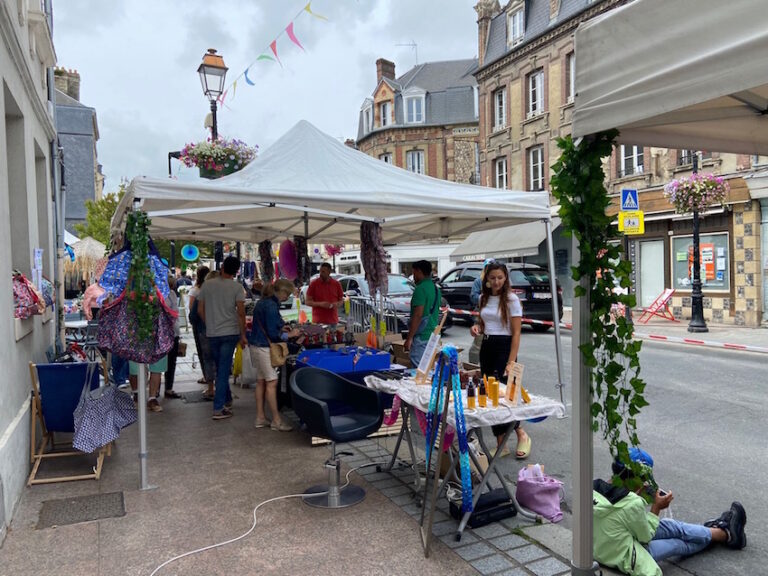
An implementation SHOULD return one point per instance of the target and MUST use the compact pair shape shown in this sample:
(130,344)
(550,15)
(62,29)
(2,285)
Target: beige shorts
(260,358)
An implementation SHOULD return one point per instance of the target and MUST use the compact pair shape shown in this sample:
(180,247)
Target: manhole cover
(81,509)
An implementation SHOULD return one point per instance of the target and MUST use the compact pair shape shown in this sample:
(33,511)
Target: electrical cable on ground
(253,526)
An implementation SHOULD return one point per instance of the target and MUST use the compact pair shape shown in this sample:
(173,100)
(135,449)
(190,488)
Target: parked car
(400,290)
(305,287)
(529,282)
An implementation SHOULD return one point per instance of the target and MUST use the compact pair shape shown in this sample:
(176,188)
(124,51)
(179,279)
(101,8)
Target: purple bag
(539,493)
(118,331)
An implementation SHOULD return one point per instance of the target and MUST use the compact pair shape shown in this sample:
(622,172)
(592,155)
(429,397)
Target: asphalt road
(706,429)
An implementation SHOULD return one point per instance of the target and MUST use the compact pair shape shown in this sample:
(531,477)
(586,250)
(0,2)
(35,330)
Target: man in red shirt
(325,296)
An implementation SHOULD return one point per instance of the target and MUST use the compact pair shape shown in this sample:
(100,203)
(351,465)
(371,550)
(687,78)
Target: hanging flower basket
(218,158)
(696,193)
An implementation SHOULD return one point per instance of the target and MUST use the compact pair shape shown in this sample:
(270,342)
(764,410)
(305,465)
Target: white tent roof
(70,238)
(337,186)
(688,75)
(509,242)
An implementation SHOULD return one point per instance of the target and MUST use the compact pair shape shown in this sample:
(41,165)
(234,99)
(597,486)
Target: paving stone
(516,522)
(527,554)
(442,528)
(412,510)
(513,572)
(388,482)
(375,476)
(491,530)
(492,564)
(547,567)
(450,539)
(474,551)
(440,516)
(361,443)
(398,490)
(403,499)
(509,541)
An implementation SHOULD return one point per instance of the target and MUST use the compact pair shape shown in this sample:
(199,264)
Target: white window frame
(367,116)
(536,168)
(500,172)
(476,100)
(516,27)
(418,166)
(386,157)
(499,109)
(636,152)
(411,99)
(384,114)
(535,104)
(570,84)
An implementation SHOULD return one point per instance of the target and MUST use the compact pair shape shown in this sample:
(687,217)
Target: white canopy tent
(702,85)
(310,184)
(308,173)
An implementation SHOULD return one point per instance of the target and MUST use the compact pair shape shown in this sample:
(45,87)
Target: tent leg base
(593,571)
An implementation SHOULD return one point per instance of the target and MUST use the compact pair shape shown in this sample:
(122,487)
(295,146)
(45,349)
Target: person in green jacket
(629,538)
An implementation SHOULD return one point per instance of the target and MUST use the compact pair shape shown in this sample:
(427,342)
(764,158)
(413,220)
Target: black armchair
(334,408)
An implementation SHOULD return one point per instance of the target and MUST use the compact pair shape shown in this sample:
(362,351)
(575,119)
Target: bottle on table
(470,394)
(481,395)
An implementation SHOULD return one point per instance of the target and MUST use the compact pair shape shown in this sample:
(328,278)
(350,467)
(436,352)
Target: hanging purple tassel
(267,268)
(374,257)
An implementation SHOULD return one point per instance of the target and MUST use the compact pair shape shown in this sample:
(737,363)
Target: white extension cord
(253,526)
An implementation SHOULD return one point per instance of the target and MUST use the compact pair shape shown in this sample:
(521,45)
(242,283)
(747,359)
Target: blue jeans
(417,351)
(119,370)
(222,351)
(675,538)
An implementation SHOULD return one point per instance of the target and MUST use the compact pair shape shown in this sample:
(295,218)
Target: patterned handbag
(100,414)
(119,330)
(26,301)
(115,275)
(47,290)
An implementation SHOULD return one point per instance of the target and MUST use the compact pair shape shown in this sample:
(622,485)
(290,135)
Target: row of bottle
(483,392)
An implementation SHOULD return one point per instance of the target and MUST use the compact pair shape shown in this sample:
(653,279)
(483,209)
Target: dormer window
(415,109)
(516,27)
(367,111)
(384,114)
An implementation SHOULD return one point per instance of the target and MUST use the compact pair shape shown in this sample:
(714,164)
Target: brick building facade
(425,121)
(526,86)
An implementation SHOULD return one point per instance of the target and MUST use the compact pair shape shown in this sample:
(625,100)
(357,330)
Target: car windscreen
(532,276)
(400,285)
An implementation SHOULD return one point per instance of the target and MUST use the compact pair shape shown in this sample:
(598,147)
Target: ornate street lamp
(697,323)
(213,73)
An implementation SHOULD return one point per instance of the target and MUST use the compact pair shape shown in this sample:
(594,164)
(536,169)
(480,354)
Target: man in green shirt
(425,311)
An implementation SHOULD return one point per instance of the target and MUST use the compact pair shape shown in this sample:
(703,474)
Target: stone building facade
(525,79)
(425,121)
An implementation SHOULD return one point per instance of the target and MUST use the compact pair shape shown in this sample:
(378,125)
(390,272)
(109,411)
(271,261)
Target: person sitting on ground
(269,326)
(629,538)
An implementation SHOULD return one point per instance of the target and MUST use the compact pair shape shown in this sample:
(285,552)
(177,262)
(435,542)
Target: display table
(415,396)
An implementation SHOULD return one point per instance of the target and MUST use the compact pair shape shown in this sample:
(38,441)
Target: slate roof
(449,99)
(536,23)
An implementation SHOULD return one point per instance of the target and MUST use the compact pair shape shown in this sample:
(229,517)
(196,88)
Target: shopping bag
(100,414)
(539,493)
(249,375)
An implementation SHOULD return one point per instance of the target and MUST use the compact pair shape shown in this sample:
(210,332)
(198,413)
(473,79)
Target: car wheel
(540,327)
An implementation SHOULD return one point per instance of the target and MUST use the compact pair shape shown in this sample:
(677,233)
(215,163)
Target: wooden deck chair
(56,390)
(659,307)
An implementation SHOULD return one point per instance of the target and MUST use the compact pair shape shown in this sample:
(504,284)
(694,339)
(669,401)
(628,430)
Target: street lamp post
(697,323)
(213,73)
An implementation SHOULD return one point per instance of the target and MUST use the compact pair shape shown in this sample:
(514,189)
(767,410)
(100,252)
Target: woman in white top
(500,323)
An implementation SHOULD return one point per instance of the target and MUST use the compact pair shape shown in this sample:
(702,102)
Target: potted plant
(216,158)
(696,193)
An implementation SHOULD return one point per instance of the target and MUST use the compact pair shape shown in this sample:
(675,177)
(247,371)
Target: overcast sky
(138,64)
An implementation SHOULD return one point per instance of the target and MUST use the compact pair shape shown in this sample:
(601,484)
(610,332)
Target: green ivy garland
(141,295)
(612,353)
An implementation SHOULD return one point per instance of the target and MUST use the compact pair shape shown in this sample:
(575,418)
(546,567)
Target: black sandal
(172,394)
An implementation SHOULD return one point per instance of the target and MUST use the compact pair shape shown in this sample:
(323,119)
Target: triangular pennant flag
(292,36)
(234,89)
(273,45)
(265,57)
(248,80)
(222,96)
(309,11)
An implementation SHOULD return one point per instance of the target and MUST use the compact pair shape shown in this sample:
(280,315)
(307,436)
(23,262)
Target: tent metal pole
(143,475)
(306,225)
(555,307)
(582,563)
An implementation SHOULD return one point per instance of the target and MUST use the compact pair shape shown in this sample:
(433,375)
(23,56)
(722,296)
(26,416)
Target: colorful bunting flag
(265,57)
(273,46)
(308,10)
(292,36)
(248,80)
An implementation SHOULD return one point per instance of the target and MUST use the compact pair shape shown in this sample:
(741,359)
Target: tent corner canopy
(678,102)
(335,190)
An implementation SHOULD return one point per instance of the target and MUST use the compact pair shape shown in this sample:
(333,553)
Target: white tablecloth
(418,396)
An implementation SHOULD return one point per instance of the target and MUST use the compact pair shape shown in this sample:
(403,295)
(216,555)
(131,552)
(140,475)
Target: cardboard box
(400,356)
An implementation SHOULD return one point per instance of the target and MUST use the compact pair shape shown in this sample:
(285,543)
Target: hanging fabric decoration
(308,10)
(304,264)
(288,259)
(374,257)
(273,46)
(292,35)
(267,268)
(248,80)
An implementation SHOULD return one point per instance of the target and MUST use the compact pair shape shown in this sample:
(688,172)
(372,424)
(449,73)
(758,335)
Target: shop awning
(703,86)
(510,242)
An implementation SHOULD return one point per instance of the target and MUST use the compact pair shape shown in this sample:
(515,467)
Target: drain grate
(82,509)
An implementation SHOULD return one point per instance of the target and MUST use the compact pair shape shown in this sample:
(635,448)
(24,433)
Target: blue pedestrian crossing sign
(629,200)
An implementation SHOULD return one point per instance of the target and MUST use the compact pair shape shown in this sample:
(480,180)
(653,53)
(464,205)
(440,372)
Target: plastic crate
(342,361)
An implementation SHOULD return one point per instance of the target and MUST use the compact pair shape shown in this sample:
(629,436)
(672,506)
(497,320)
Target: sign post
(631,222)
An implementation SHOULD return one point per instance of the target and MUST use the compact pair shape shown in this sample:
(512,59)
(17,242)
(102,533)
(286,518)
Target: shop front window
(714,257)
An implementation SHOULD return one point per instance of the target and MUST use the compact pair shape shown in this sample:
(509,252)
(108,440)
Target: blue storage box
(342,361)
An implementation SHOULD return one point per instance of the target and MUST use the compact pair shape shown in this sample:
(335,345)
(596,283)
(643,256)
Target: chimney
(384,69)
(67,81)
(350,143)
(486,10)
(554,9)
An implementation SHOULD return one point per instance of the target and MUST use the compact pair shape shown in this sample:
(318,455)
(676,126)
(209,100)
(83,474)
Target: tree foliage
(99,215)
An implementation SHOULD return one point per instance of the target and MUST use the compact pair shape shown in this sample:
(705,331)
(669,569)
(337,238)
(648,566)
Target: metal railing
(362,308)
